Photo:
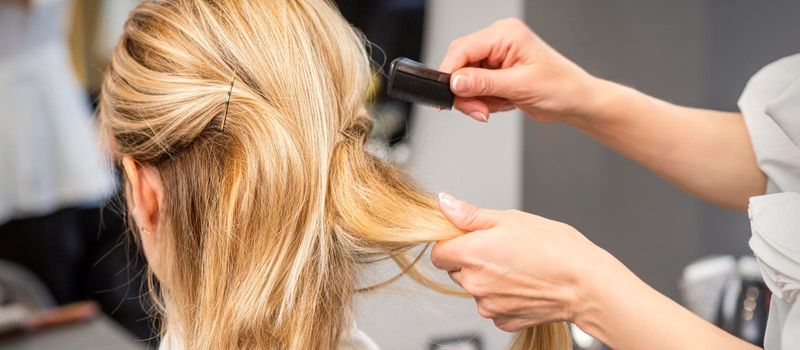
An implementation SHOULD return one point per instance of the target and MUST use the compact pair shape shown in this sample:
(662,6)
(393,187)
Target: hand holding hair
(525,270)
(522,269)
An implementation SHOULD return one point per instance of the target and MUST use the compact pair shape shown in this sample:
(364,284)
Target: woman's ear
(146,194)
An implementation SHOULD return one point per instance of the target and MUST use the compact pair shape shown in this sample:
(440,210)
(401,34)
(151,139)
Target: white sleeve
(775,242)
(168,342)
(355,339)
(770,105)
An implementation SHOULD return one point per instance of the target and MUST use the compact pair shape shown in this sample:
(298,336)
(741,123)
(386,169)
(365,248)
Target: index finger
(473,47)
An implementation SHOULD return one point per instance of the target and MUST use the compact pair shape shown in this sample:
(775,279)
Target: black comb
(411,81)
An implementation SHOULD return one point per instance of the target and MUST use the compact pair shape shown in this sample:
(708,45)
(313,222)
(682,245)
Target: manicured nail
(479,116)
(462,83)
(449,202)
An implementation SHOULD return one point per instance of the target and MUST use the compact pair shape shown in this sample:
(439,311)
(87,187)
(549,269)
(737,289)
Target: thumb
(473,82)
(466,216)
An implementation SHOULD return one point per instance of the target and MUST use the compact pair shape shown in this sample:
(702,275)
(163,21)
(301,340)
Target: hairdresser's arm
(706,153)
(525,270)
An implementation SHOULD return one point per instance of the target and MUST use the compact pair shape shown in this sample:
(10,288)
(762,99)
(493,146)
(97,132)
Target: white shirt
(770,104)
(49,151)
(352,340)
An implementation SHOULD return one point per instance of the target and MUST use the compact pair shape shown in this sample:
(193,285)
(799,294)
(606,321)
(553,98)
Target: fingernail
(449,202)
(479,116)
(462,83)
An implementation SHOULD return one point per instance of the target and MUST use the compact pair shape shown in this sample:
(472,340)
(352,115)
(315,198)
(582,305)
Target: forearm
(706,153)
(625,313)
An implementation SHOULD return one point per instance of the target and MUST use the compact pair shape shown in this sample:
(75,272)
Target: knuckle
(468,286)
(503,325)
(490,304)
(480,292)
(503,22)
(456,44)
(511,22)
(471,287)
(471,217)
(454,276)
(476,290)
(517,29)
(485,313)
(484,85)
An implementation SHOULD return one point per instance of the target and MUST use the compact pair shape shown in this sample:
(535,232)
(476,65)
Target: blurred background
(62,230)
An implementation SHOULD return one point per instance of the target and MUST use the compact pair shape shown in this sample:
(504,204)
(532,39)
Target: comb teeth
(420,89)
(419,100)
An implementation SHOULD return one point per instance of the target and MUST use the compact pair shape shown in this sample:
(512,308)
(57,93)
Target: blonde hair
(266,223)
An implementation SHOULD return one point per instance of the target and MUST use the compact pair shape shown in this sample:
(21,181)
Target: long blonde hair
(266,221)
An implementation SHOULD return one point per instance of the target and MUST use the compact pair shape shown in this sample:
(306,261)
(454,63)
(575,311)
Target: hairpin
(227,104)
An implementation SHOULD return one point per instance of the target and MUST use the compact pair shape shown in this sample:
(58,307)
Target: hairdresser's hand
(507,65)
(525,270)
(522,269)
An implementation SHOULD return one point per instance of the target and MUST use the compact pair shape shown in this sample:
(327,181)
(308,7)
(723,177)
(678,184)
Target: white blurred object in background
(702,282)
(49,152)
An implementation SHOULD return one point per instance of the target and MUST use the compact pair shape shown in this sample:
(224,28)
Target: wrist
(600,99)
(606,285)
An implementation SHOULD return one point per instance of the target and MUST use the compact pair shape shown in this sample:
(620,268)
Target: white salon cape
(49,152)
(771,107)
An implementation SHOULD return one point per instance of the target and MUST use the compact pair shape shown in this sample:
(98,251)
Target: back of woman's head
(253,114)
